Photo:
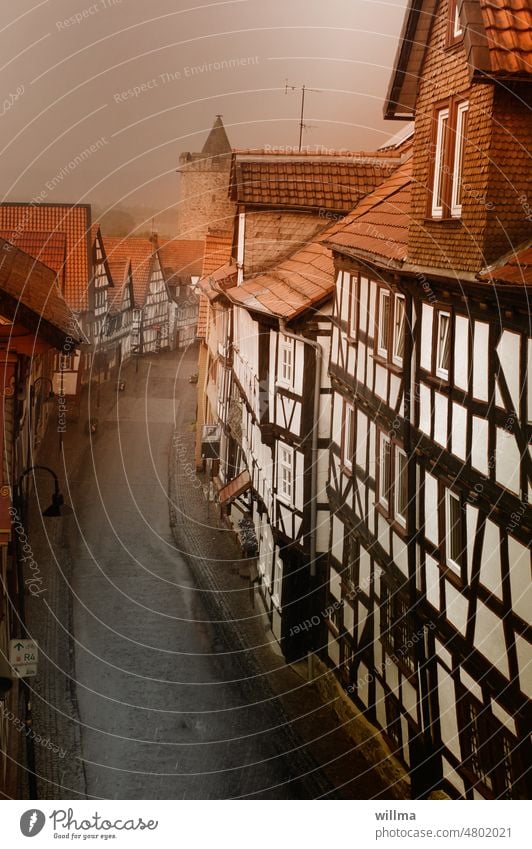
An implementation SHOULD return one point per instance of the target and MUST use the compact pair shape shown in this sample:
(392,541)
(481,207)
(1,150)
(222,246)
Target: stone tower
(204,202)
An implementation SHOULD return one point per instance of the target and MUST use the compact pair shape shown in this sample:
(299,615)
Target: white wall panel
(424,408)
(426,337)
(489,638)
(479,444)
(490,567)
(508,460)
(461,352)
(480,360)
(431,508)
(508,351)
(440,418)
(459,431)
(520,578)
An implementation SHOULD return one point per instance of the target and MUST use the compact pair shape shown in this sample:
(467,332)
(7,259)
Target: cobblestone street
(158,679)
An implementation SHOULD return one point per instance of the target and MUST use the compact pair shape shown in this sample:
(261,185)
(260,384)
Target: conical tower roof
(217,143)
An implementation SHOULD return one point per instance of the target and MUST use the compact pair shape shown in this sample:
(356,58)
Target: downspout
(315,436)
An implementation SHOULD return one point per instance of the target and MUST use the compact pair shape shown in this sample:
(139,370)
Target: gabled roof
(378,226)
(303,280)
(140,252)
(29,295)
(48,248)
(497,43)
(181,258)
(120,269)
(74,223)
(514,269)
(328,183)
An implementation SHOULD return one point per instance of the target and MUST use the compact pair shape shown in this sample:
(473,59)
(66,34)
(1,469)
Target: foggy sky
(65,86)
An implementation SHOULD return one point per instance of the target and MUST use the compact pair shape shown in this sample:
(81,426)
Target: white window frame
(384,439)
(348,435)
(451,563)
(285,375)
(443,120)
(285,484)
(400,518)
(384,294)
(457,26)
(440,370)
(458,159)
(398,332)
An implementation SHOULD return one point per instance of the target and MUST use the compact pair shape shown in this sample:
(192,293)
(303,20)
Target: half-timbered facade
(281,334)
(150,327)
(430,467)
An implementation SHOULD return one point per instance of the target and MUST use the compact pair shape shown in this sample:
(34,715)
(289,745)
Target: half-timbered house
(182,261)
(62,235)
(281,332)
(150,328)
(430,467)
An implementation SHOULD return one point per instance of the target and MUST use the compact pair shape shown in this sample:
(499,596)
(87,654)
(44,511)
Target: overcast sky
(67,66)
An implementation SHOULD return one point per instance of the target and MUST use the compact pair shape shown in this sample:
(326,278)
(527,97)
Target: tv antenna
(303,89)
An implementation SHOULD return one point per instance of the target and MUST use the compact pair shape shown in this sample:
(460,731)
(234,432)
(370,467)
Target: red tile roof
(378,226)
(29,295)
(514,269)
(308,183)
(497,43)
(296,284)
(48,248)
(218,246)
(508,28)
(140,251)
(119,269)
(74,222)
(182,257)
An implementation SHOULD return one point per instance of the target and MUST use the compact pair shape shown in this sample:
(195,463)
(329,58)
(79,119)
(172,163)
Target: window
(353,304)
(286,361)
(489,753)
(455,30)
(399,330)
(348,435)
(396,627)
(449,146)
(453,531)
(439,164)
(401,486)
(383,329)
(286,472)
(443,346)
(385,470)
(391,326)
(277,578)
(459,144)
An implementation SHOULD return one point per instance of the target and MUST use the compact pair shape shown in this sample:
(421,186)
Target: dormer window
(450,135)
(455,31)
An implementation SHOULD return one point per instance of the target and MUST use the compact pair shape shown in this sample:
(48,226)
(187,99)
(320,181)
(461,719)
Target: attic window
(455,31)
(450,134)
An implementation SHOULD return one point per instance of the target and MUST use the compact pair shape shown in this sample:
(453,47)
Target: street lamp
(33,389)
(58,506)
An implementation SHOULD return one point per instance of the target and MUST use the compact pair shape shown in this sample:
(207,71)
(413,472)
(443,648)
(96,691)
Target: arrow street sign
(23,657)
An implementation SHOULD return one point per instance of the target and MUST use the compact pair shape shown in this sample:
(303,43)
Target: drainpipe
(315,435)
